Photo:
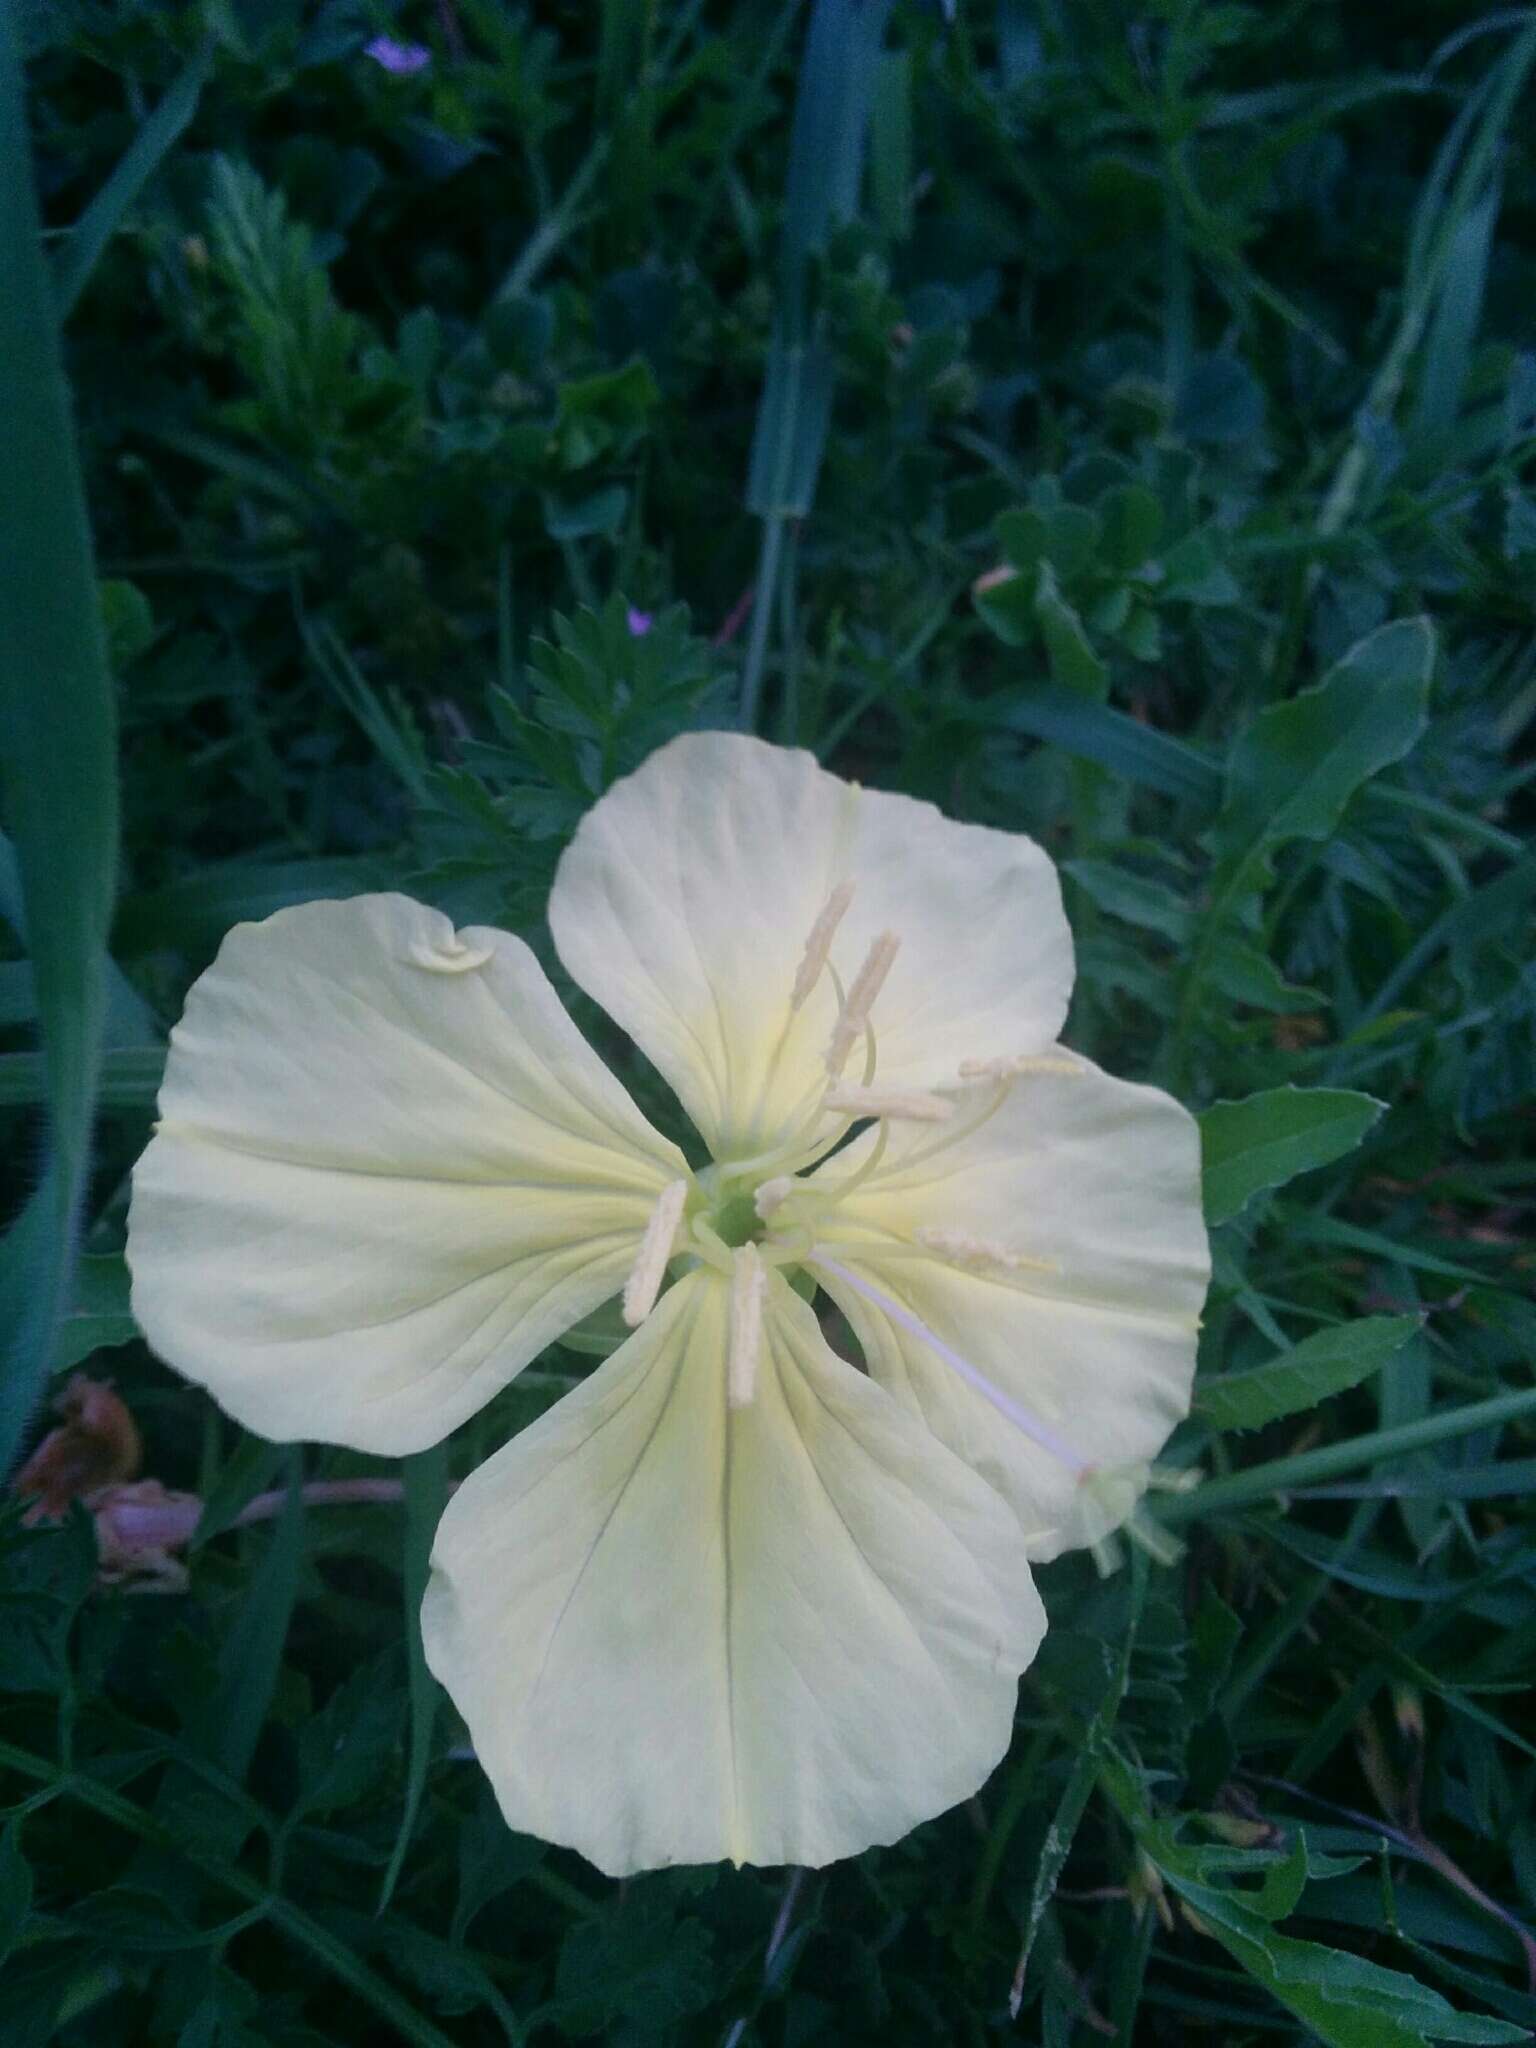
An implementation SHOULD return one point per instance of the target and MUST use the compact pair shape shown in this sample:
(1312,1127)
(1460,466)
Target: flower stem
(1327,1462)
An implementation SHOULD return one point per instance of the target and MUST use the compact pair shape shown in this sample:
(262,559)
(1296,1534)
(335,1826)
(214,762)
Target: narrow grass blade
(426,1492)
(57,757)
(838,69)
(133,171)
(253,1650)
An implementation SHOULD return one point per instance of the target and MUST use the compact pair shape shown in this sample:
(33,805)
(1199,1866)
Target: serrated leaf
(346,1747)
(1347,2001)
(1329,1362)
(1267,1139)
(491,1860)
(637,1962)
(1299,763)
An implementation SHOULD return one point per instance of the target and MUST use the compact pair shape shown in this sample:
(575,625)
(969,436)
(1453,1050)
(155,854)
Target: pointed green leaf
(1294,770)
(1327,1363)
(1267,1139)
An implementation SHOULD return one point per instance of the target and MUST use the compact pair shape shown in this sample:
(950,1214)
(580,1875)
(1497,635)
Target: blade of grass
(426,1490)
(57,758)
(104,216)
(1458,183)
(252,1653)
(838,68)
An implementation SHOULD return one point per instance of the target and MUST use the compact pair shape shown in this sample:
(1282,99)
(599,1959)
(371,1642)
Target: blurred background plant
(1111,421)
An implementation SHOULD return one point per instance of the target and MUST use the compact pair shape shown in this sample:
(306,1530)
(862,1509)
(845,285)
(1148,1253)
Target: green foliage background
(1208,326)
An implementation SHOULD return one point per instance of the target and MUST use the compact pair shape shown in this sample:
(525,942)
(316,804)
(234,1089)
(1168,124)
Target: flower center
(744,1217)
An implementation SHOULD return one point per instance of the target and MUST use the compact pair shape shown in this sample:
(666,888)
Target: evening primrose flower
(733,1596)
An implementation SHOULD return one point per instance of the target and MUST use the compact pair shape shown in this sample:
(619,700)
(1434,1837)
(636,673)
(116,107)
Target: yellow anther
(649,1269)
(771,1195)
(749,1283)
(819,944)
(908,1105)
(1014,1063)
(854,1017)
(981,1252)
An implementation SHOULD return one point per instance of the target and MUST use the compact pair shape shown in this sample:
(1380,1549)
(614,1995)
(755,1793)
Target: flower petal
(684,902)
(388,1171)
(1099,1181)
(681,1632)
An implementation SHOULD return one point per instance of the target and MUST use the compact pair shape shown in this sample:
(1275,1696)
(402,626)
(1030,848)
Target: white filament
(749,1283)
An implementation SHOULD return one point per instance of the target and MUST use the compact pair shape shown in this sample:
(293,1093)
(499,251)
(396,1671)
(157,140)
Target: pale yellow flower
(733,1596)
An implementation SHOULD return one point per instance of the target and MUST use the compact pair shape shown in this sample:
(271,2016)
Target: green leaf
(58,775)
(1074,665)
(251,1656)
(345,1749)
(194,914)
(1294,770)
(129,1078)
(1267,1139)
(637,1963)
(1097,732)
(1245,975)
(1133,898)
(1347,2001)
(15,1890)
(1193,573)
(1330,1362)
(104,216)
(1062,1831)
(1132,521)
(98,1314)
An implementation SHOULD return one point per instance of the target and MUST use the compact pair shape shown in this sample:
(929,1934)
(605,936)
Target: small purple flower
(640,623)
(402,60)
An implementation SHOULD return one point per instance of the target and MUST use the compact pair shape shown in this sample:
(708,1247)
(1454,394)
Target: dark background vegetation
(394,394)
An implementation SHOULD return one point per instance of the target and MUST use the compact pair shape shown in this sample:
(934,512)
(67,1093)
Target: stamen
(1039,1433)
(911,1105)
(649,1269)
(771,1194)
(980,1252)
(819,944)
(1014,1063)
(866,985)
(749,1283)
